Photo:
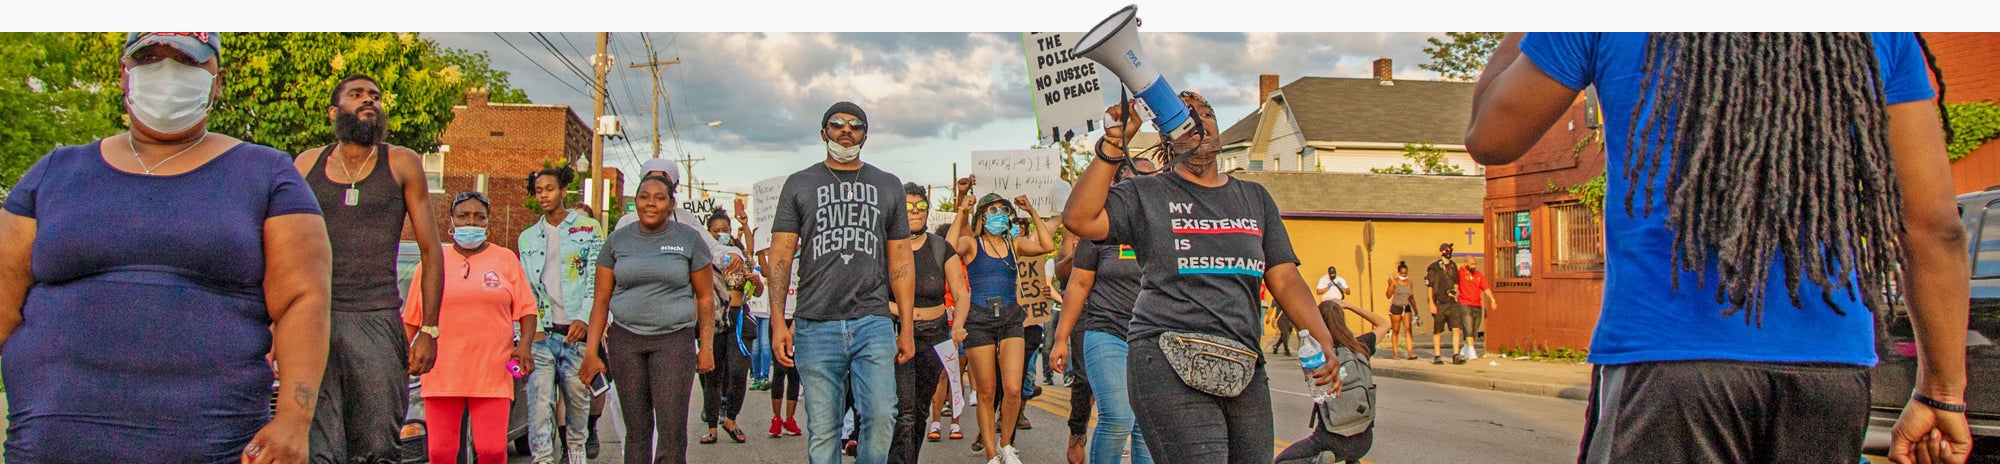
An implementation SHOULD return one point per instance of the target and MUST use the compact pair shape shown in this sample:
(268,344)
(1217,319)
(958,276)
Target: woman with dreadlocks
(1205,243)
(1773,190)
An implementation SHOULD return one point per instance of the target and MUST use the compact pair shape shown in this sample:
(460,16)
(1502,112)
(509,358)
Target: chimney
(475,97)
(1265,85)
(1383,71)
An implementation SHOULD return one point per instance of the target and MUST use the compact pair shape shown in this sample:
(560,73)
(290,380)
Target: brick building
(492,147)
(1971,66)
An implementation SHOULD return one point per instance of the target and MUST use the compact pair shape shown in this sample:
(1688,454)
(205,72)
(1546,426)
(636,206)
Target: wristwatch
(430,330)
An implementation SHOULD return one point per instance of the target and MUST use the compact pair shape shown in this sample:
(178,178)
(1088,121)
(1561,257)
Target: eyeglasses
(837,123)
(920,206)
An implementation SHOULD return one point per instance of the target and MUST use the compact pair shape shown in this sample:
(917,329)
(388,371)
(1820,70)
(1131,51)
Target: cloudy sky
(931,98)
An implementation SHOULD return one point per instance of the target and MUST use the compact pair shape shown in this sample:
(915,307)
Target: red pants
(489,427)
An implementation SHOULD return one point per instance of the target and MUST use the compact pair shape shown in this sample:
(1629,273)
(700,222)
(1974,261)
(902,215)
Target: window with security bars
(1511,246)
(1579,236)
(434,171)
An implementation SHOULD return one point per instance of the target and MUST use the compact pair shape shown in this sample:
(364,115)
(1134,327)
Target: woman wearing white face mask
(485,293)
(145,340)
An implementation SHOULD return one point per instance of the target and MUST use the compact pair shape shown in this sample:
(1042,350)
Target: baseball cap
(197,45)
(659,164)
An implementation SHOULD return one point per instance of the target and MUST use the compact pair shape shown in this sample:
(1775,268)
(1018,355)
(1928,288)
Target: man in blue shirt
(1767,193)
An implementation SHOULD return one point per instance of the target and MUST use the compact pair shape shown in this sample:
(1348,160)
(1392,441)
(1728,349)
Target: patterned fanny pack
(1214,365)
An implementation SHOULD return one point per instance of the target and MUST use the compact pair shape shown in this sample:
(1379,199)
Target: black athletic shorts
(1719,411)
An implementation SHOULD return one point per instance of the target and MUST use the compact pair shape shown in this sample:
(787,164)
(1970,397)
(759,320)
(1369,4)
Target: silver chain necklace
(353,194)
(142,162)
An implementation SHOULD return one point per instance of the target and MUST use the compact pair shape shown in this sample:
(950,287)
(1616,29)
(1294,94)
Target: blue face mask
(998,222)
(469,236)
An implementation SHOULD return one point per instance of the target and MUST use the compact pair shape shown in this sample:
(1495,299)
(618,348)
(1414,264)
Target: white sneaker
(577,456)
(1011,456)
(995,460)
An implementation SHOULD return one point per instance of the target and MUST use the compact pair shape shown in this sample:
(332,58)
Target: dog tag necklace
(353,196)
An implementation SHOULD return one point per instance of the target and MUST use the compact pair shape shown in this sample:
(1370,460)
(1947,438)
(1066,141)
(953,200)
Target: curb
(1569,392)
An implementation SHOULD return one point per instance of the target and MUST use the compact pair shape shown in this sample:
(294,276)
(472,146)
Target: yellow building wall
(1321,242)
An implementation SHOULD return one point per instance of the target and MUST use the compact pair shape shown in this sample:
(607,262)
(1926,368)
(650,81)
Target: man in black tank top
(366,188)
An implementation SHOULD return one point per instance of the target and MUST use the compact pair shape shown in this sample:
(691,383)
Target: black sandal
(738,435)
(708,439)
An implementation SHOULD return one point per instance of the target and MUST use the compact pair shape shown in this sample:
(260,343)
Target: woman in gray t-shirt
(656,278)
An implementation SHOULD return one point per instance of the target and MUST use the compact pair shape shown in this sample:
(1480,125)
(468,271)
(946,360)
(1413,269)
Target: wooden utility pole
(654,67)
(601,61)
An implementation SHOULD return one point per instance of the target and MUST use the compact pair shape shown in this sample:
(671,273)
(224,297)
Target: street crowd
(154,331)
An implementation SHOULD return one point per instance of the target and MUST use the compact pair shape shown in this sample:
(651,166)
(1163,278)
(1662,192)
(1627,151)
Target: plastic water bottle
(1311,358)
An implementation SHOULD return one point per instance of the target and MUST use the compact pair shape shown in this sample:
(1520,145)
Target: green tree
(1463,56)
(65,88)
(55,90)
(1428,159)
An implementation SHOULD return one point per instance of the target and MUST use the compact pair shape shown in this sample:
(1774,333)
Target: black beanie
(844,107)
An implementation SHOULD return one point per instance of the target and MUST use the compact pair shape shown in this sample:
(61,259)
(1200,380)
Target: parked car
(415,433)
(1896,374)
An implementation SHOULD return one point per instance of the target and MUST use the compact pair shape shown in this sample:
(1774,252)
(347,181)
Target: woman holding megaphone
(1206,243)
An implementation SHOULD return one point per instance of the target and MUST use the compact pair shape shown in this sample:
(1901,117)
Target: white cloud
(930,96)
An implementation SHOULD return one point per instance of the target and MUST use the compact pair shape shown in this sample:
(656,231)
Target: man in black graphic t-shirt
(847,223)
(1442,278)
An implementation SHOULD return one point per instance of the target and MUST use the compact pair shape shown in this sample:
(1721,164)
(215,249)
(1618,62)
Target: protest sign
(1065,88)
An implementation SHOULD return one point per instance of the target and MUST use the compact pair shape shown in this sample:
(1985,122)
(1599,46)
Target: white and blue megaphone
(1114,43)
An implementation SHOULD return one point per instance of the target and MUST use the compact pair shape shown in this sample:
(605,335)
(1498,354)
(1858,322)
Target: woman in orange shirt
(485,294)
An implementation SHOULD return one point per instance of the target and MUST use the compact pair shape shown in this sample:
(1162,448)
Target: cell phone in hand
(599,384)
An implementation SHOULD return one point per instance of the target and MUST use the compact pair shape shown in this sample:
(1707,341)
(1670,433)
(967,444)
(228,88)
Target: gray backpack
(1354,410)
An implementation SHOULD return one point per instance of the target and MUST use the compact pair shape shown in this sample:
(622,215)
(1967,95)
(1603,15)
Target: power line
(538,65)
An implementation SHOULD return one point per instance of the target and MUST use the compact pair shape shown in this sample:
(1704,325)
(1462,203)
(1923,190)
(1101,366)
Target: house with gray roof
(1334,124)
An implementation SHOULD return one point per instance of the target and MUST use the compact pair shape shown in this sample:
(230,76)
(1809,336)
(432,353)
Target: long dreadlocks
(1780,149)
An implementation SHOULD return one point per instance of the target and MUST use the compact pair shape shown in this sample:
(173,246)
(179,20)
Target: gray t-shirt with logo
(1204,251)
(844,220)
(653,294)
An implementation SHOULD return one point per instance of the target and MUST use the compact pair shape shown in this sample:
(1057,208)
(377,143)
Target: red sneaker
(777,427)
(792,427)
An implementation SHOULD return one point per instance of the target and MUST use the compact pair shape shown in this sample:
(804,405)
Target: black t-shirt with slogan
(844,220)
(1115,286)
(1204,251)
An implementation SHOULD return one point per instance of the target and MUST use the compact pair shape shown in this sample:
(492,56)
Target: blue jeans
(1104,365)
(834,356)
(760,355)
(556,361)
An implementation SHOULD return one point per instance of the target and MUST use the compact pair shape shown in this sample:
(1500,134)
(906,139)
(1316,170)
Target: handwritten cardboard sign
(1066,89)
(1033,290)
(764,208)
(1012,173)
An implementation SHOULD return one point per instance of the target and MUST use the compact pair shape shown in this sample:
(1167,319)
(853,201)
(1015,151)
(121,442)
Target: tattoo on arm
(303,395)
(901,272)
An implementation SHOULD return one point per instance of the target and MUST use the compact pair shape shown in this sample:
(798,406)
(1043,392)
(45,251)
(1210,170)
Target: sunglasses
(920,206)
(470,196)
(837,123)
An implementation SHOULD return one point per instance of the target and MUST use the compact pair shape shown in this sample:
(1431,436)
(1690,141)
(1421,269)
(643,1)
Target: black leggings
(1344,449)
(723,388)
(916,382)
(784,383)
(1186,426)
(655,375)
(1079,388)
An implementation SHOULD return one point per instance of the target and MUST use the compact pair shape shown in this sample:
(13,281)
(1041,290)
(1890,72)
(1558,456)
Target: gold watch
(430,330)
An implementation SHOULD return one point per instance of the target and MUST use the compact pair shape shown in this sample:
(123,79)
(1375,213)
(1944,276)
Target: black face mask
(348,127)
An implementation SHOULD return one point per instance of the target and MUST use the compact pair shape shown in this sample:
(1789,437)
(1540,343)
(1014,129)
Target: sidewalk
(1559,379)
